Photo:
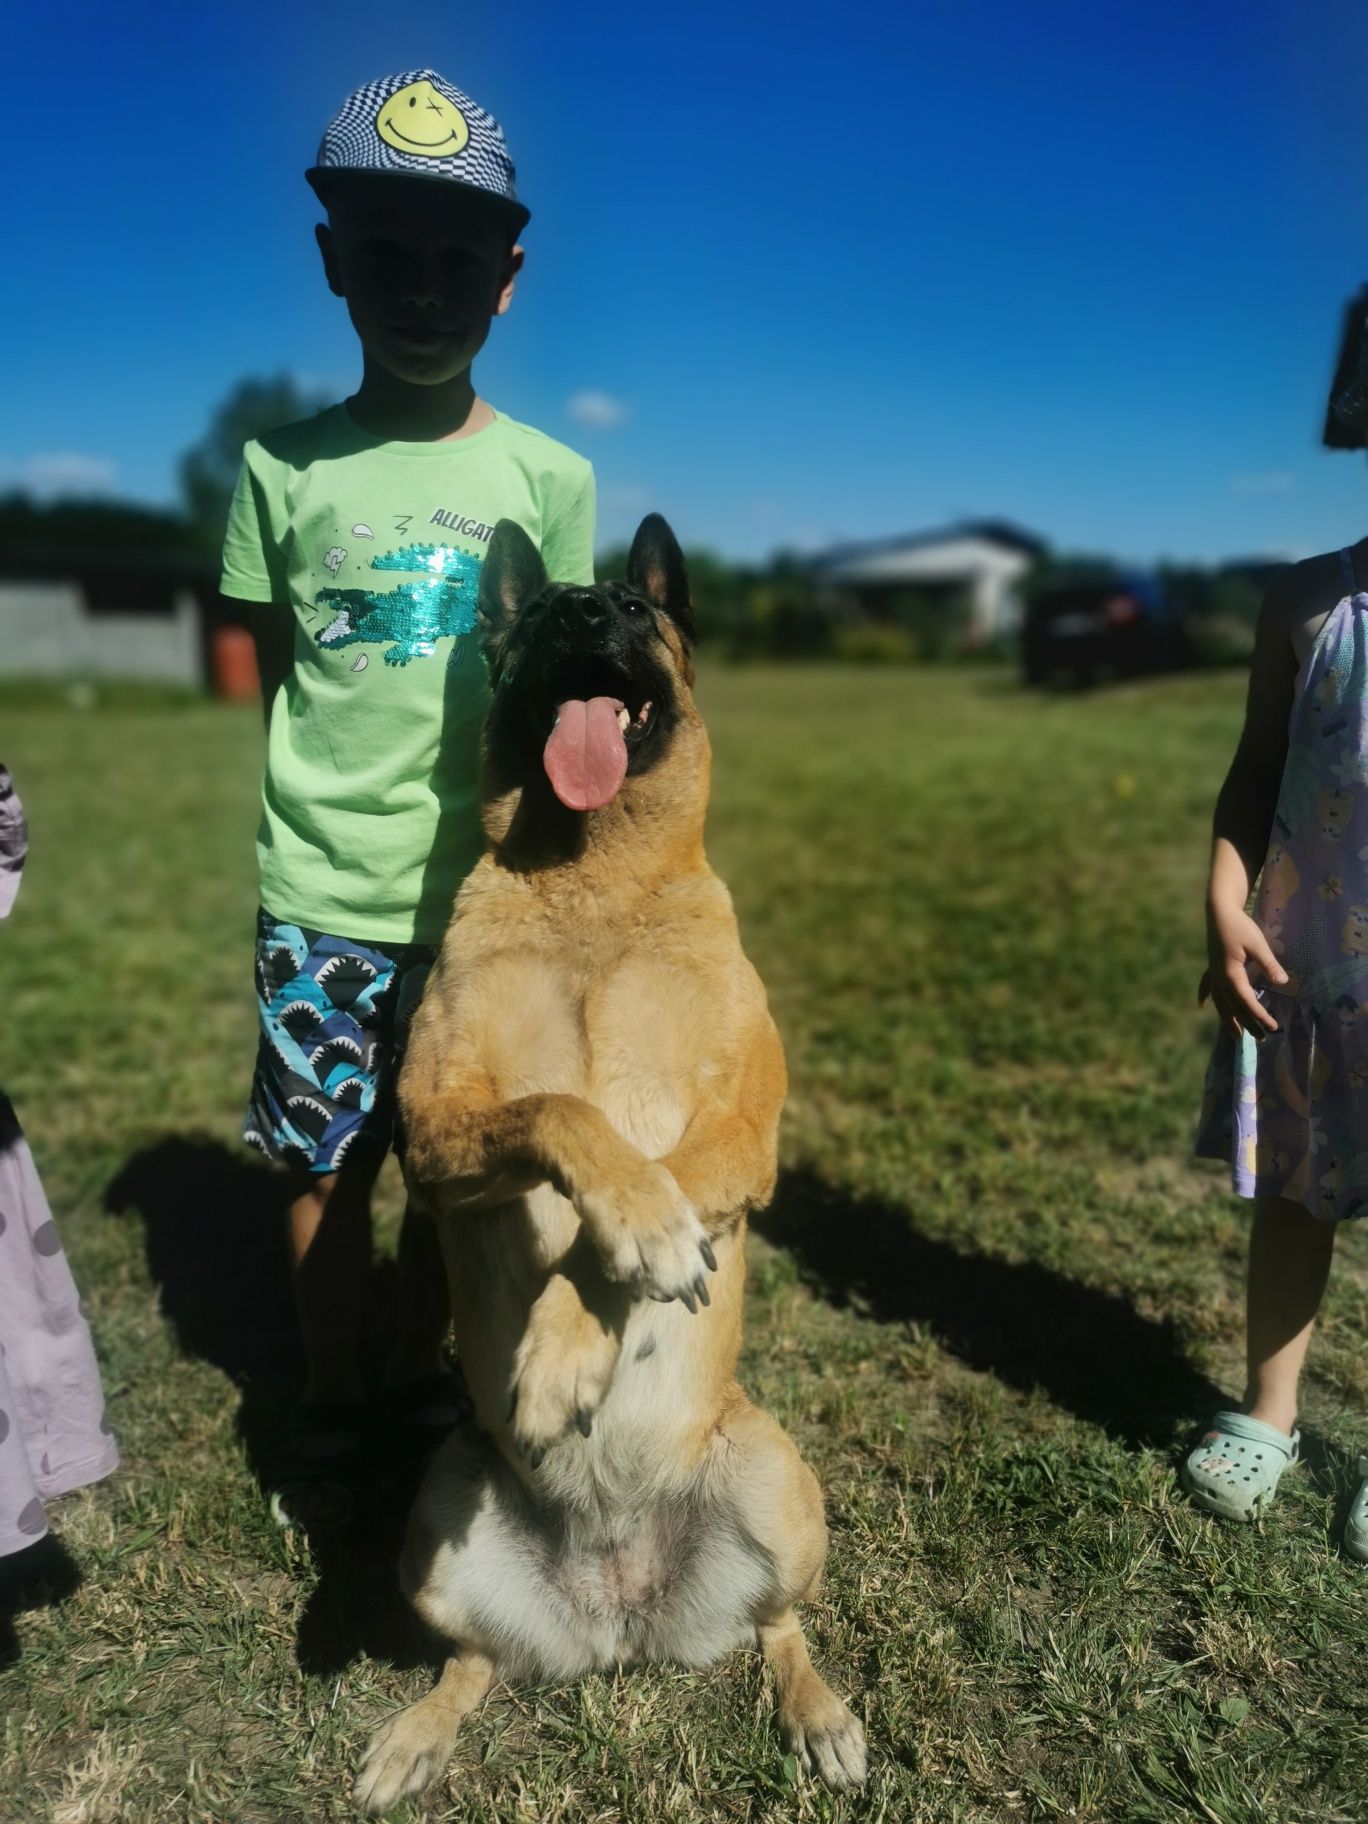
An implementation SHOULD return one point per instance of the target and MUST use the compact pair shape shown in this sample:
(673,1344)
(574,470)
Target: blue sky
(823,271)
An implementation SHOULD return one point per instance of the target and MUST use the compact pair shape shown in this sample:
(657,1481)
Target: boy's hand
(1234,942)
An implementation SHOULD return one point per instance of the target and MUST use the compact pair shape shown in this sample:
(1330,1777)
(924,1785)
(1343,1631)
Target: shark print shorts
(334,1016)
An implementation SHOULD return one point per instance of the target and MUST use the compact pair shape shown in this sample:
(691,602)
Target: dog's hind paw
(404,1757)
(562,1370)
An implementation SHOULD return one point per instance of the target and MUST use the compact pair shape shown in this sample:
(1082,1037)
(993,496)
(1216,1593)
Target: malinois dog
(590,1105)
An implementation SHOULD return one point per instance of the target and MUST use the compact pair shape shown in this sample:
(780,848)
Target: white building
(979,563)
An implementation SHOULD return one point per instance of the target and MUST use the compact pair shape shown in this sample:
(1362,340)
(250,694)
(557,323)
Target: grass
(992,1298)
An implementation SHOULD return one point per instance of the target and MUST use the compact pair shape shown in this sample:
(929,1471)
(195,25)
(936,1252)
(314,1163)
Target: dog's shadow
(1088,1350)
(213,1225)
(214,1238)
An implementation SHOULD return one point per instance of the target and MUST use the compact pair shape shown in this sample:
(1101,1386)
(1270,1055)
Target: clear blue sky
(842,270)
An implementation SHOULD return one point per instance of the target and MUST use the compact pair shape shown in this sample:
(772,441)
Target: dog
(590,1105)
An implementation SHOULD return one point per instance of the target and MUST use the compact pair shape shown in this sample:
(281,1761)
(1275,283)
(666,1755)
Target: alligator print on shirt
(414,616)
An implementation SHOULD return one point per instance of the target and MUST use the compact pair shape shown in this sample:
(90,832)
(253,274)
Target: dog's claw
(584,1422)
(687,1300)
(705,1249)
(701,1291)
(537,1457)
(512,1406)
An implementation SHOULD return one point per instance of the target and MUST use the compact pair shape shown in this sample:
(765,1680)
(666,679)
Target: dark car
(1119,626)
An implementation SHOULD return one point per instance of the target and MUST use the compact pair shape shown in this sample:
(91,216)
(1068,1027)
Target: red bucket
(233,665)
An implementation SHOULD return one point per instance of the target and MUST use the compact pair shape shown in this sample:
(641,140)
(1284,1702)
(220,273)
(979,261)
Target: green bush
(874,643)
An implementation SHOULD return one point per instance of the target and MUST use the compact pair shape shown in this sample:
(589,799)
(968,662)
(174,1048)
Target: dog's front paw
(404,1757)
(829,1741)
(649,1236)
(562,1370)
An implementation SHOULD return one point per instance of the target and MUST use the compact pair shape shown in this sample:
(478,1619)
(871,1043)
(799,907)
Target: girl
(54,1436)
(1287,1093)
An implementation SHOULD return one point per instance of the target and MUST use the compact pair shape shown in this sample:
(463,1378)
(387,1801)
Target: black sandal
(316,1485)
(420,1414)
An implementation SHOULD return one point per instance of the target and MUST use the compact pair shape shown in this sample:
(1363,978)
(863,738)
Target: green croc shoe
(1356,1526)
(1234,1471)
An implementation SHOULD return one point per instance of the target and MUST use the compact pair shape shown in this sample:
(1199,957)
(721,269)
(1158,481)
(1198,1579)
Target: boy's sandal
(315,1487)
(1356,1526)
(1235,1470)
(419,1414)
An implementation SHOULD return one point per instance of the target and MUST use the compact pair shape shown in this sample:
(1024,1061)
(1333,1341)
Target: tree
(209,469)
(44,538)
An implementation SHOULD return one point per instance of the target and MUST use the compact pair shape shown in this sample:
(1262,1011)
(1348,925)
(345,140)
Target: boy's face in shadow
(423,268)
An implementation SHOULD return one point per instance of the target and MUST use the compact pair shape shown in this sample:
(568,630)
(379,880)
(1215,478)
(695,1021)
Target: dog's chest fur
(633,1031)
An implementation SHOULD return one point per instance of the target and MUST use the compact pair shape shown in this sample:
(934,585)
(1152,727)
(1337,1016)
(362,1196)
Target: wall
(45,632)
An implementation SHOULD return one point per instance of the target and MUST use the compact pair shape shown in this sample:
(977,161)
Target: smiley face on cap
(421,121)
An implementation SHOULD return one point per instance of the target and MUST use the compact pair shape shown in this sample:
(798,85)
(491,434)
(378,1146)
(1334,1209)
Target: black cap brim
(327,180)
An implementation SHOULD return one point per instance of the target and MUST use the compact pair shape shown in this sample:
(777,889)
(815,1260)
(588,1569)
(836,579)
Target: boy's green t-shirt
(370,817)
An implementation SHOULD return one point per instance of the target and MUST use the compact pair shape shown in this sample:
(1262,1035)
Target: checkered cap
(420,125)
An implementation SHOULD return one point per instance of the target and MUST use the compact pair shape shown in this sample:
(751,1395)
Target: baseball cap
(418,124)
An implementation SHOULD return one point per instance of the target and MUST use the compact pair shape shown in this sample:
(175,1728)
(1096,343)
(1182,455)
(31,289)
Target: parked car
(1119,626)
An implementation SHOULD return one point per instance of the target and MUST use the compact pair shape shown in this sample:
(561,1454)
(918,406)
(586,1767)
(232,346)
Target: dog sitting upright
(590,1104)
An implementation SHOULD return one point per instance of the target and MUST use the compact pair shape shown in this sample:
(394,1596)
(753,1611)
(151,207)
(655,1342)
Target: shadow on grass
(39,1576)
(214,1238)
(1089,1351)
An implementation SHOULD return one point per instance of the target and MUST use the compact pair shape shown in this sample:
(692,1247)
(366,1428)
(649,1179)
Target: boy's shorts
(334,1018)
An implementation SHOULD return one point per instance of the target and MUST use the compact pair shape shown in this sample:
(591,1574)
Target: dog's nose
(588,607)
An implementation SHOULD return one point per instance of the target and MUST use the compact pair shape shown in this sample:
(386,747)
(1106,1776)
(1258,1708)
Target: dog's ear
(512,573)
(655,568)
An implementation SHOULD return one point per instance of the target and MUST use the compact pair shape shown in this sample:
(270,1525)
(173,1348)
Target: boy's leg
(1289,1263)
(424,1310)
(330,1253)
(322,1004)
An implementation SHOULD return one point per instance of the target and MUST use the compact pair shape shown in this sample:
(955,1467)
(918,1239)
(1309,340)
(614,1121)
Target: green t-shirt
(370,816)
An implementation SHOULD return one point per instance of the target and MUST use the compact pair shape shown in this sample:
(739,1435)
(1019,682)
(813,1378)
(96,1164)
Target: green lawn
(991,1300)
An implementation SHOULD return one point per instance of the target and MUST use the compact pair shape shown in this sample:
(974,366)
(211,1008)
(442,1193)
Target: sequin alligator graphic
(413,615)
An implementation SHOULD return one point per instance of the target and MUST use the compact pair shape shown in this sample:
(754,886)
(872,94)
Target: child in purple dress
(1287,1093)
(53,1433)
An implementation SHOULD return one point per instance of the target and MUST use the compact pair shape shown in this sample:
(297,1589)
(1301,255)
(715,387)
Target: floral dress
(1290,1111)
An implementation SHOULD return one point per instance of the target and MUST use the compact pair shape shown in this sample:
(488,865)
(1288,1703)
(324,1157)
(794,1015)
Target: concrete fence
(46,631)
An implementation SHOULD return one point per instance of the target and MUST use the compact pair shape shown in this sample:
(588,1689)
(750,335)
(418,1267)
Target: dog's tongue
(586,756)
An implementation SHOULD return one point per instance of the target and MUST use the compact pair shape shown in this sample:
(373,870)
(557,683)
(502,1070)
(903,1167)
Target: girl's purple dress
(53,1433)
(1290,1111)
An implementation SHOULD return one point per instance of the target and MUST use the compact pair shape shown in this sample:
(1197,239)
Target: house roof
(997,532)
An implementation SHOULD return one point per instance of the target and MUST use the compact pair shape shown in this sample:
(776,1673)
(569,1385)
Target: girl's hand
(1234,941)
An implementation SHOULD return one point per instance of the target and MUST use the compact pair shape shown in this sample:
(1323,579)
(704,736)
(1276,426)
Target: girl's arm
(1244,818)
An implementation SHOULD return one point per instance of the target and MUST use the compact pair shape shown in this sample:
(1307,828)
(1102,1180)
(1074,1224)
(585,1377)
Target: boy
(359,534)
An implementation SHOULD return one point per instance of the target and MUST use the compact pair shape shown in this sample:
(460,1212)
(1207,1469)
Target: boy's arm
(272,625)
(253,577)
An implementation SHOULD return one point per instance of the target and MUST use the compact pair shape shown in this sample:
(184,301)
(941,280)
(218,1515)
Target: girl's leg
(1289,1263)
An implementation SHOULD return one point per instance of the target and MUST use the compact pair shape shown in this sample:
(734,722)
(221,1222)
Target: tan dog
(591,1101)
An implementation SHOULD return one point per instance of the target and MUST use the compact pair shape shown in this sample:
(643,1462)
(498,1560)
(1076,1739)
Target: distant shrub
(783,618)
(874,643)
(937,623)
(1219,639)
